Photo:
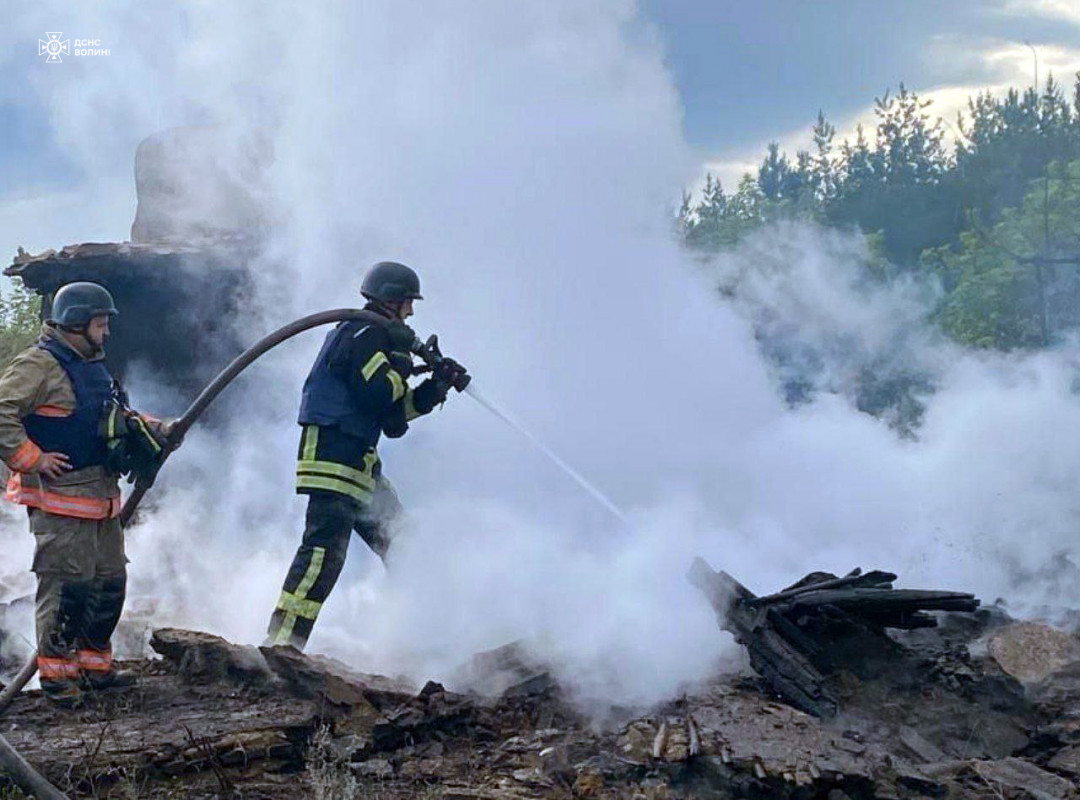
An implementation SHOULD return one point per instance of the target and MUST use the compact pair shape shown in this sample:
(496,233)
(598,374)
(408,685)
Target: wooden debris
(1023,776)
(204,657)
(660,741)
(332,682)
(778,650)
(695,737)
(791,636)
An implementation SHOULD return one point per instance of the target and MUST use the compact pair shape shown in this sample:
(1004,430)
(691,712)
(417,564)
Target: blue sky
(746,72)
(749,73)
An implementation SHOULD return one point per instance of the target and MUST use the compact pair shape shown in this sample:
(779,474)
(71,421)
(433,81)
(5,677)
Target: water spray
(578,478)
(460,380)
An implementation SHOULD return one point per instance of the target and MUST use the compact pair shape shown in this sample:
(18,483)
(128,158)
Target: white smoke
(523,158)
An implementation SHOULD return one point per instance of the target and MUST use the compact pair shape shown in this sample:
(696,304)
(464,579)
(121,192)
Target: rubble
(926,712)
(801,637)
(205,657)
(1029,651)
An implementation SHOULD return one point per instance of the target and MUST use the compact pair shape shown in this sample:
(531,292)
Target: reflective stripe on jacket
(76,433)
(331,461)
(35,383)
(82,499)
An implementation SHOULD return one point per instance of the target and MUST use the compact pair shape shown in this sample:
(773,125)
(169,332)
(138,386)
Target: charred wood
(799,638)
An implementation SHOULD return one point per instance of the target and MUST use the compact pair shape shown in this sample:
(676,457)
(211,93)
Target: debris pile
(977,707)
(801,636)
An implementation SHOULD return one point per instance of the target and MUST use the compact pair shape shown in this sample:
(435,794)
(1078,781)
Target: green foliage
(20,320)
(719,221)
(996,218)
(1017,283)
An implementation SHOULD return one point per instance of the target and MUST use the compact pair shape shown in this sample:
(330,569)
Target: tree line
(993,215)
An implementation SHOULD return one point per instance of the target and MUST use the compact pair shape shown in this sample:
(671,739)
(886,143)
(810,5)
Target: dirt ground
(980,707)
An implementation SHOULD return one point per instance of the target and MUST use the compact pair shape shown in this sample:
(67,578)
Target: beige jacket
(35,382)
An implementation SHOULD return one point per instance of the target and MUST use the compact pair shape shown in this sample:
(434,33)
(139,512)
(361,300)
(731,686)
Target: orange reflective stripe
(24,457)
(96,660)
(52,411)
(63,504)
(52,669)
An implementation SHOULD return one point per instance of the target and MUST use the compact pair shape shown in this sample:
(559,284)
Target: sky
(749,73)
(527,159)
(746,74)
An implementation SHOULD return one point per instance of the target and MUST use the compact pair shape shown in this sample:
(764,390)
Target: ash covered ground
(979,706)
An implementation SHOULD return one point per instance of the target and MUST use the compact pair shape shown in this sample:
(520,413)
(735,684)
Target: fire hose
(429,353)
(22,773)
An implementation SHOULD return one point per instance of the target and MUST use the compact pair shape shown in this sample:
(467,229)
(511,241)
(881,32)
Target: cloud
(1062,10)
(987,65)
(51,218)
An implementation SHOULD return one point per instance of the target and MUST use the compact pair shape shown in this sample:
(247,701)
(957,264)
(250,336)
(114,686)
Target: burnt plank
(876,578)
(776,658)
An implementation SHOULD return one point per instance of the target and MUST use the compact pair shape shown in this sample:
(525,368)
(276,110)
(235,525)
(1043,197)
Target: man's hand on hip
(52,465)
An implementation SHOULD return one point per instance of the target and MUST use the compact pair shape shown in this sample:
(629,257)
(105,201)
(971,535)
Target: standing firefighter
(66,434)
(355,392)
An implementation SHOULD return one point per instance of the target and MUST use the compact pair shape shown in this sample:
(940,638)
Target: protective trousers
(331,519)
(82,578)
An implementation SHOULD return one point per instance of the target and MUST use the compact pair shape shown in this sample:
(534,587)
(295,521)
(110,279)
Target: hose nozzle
(431,355)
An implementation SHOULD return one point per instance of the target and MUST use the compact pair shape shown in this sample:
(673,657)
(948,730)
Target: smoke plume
(525,159)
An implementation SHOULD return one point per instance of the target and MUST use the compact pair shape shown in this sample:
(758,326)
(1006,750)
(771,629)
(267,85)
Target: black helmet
(390,282)
(75,304)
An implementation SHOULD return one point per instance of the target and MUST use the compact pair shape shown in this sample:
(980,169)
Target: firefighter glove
(450,374)
(133,447)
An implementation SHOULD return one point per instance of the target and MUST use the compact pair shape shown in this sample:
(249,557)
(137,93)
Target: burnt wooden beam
(869,601)
(794,637)
(856,578)
(764,633)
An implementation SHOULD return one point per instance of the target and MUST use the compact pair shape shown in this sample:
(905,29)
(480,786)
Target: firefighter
(356,391)
(57,401)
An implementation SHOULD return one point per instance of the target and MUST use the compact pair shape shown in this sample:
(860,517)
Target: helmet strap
(387,307)
(82,343)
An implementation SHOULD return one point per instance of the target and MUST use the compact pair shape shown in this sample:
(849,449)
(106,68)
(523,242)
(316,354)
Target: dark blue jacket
(350,386)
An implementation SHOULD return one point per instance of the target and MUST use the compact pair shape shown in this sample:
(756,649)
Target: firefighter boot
(98,671)
(63,692)
(113,679)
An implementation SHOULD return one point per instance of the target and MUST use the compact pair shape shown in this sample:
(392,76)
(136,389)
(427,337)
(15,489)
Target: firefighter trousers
(81,582)
(330,521)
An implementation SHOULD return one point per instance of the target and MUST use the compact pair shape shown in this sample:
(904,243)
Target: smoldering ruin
(853,686)
(852,689)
